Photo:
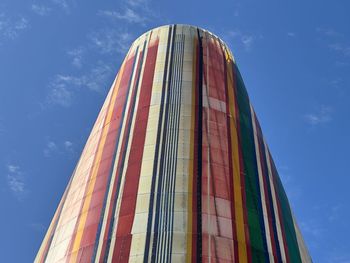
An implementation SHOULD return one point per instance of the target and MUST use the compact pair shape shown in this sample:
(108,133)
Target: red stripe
(86,187)
(120,101)
(120,108)
(128,203)
(100,186)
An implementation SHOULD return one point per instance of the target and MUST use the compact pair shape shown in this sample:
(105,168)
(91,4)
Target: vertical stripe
(262,188)
(255,221)
(90,186)
(191,210)
(278,223)
(238,179)
(199,149)
(176,167)
(125,85)
(155,164)
(269,203)
(229,100)
(288,224)
(115,243)
(105,216)
(163,172)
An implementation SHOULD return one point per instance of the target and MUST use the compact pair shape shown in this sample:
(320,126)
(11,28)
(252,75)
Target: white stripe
(261,185)
(275,207)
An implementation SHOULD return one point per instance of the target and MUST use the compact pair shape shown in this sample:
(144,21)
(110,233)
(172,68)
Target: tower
(176,168)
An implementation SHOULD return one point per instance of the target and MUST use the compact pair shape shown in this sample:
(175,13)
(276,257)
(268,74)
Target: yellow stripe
(100,242)
(87,200)
(238,205)
(190,166)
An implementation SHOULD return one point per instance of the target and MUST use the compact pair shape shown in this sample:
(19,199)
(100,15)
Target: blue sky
(58,59)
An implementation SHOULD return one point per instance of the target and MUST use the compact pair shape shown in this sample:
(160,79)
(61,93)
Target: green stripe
(288,224)
(256,236)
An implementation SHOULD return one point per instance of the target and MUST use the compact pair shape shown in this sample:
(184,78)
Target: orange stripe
(96,165)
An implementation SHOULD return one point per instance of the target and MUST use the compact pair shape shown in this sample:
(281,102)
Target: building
(176,167)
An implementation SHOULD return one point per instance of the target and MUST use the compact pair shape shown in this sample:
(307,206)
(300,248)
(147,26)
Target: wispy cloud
(54,147)
(110,41)
(246,40)
(41,10)
(77,56)
(136,3)
(321,115)
(341,48)
(50,148)
(68,146)
(62,88)
(63,4)
(10,28)
(15,181)
(329,32)
(291,34)
(129,15)
(60,93)
(335,40)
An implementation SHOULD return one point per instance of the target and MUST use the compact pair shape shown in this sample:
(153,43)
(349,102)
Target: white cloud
(322,115)
(63,87)
(136,3)
(110,41)
(50,148)
(41,10)
(68,146)
(329,32)
(61,147)
(13,168)
(63,4)
(341,48)
(246,40)
(129,15)
(60,93)
(337,38)
(77,56)
(10,28)
(15,181)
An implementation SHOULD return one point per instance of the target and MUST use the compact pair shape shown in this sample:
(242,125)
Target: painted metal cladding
(176,167)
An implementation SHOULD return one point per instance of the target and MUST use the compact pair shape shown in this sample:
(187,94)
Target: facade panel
(176,168)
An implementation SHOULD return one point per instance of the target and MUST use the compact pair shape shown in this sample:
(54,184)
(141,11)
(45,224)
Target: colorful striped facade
(176,168)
